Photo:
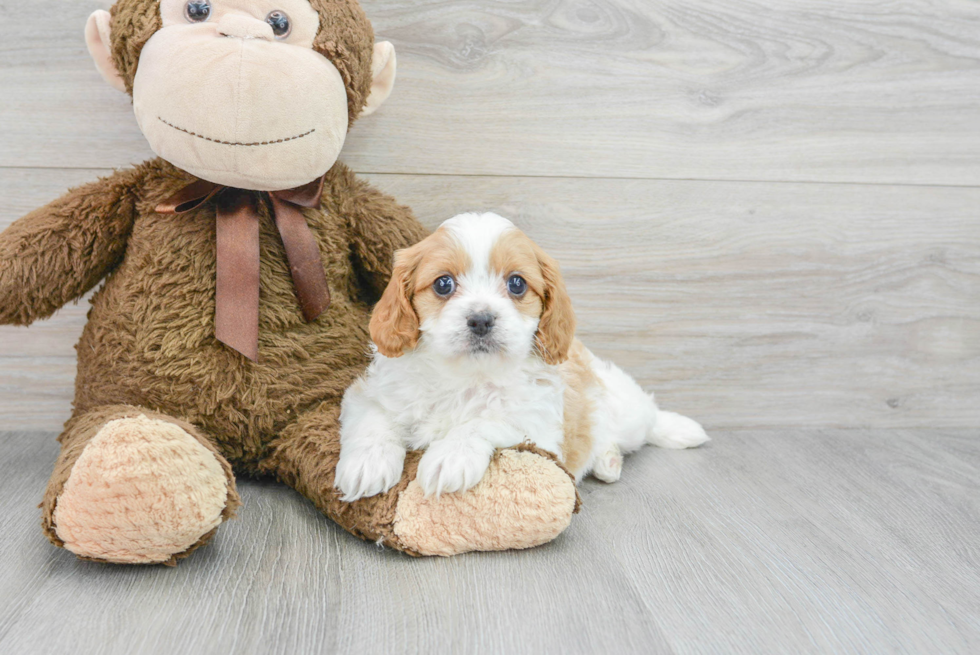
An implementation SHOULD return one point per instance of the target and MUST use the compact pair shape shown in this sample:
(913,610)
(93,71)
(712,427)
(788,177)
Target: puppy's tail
(671,430)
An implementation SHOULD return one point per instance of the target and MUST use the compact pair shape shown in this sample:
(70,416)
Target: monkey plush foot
(141,490)
(525,499)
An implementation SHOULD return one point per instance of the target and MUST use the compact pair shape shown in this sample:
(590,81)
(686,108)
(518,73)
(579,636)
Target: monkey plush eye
(444,286)
(197,11)
(280,23)
(516,285)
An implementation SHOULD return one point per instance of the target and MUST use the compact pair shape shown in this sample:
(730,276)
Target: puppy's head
(477,287)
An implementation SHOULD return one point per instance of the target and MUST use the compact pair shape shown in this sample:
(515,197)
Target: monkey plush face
(254,94)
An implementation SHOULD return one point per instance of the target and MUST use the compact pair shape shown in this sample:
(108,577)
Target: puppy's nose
(480,324)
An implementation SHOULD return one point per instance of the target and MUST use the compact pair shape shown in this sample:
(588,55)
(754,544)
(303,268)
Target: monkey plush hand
(239,270)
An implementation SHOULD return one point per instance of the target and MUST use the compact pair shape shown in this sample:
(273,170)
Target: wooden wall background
(769,212)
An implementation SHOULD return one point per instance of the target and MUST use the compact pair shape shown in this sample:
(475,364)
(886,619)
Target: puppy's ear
(394,323)
(556,327)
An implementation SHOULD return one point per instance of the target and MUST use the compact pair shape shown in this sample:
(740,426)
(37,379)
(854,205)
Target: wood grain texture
(801,307)
(36,391)
(743,304)
(874,91)
(784,541)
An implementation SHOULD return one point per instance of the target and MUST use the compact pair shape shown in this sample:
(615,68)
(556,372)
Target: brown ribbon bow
(236,316)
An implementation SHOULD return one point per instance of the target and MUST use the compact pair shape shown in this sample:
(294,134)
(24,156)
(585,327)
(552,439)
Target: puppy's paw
(450,465)
(676,431)
(609,465)
(366,470)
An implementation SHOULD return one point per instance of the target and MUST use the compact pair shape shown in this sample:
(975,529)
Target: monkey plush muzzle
(242,112)
(240,92)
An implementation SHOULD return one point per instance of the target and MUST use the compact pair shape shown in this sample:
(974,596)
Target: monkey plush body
(165,413)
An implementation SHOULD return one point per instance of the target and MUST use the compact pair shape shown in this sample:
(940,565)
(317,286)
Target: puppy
(475,351)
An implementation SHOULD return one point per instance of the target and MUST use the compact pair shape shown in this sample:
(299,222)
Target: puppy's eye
(444,286)
(197,11)
(516,285)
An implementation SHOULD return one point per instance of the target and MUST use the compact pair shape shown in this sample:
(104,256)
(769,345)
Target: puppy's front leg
(458,461)
(372,454)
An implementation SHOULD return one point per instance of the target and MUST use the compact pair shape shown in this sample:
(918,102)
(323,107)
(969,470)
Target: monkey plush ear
(383,76)
(100,47)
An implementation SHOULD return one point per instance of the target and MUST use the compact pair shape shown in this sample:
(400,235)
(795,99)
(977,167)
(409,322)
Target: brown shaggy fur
(149,342)
(149,345)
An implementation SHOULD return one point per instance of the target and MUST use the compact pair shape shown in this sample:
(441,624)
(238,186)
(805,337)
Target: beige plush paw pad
(141,491)
(524,500)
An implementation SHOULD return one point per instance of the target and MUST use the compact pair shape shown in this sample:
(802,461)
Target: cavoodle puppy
(476,350)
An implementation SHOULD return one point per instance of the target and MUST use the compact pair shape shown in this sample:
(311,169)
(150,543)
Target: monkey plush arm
(379,226)
(58,252)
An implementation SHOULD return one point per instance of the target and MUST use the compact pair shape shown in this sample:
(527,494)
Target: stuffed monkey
(239,269)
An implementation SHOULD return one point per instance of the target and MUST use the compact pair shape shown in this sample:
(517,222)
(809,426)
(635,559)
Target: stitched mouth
(236,143)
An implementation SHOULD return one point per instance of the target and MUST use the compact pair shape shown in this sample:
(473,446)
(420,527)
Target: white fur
(479,289)
(626,418)
(460,405)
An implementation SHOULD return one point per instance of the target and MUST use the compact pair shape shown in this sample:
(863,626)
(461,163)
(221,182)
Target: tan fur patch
(579,379)
(557,327)
(514,254)
(409,299)
(440,255)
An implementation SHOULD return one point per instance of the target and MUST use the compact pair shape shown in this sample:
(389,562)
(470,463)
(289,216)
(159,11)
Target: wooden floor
(768,212)
(765,541)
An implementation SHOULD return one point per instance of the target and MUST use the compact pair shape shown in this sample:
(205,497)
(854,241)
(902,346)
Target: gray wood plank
(831,91)
(824,541)
(281,595)
(36,391)
(743,304)
(762,542)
